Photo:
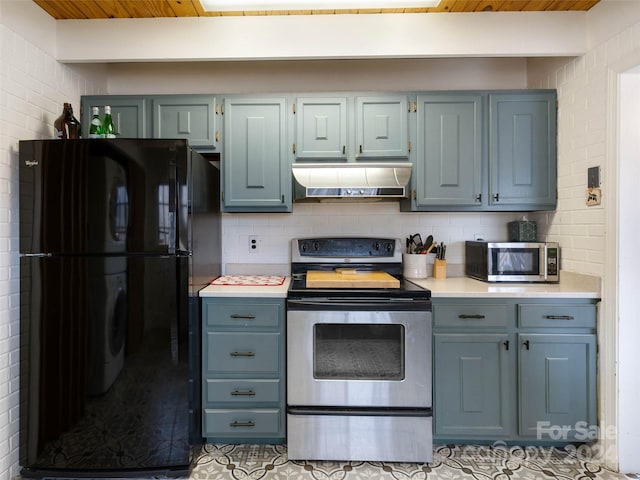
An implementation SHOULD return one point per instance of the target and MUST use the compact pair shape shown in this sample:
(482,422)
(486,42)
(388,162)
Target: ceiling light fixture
(269,5)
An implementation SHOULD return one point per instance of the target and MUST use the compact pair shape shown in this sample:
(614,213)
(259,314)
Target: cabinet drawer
(472,315)
(242,391)
(243,315)
(241,422)
(246,353)
(561,316)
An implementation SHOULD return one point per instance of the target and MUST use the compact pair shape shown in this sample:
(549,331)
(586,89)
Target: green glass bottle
(95,130)
(108,127)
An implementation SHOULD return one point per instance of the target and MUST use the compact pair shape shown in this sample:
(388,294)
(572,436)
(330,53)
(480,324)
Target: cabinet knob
(526,344)
(506,344)
(479,198)
(360,148)
(496,197)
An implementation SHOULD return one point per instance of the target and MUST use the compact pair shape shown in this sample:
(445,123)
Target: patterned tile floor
(459,462)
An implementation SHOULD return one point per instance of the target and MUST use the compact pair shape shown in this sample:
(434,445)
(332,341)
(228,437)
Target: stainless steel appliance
(513,261)
(358,358)
(343,182)
(116,238)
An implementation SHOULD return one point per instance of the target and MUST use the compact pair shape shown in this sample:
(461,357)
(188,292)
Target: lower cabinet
(505,370)
(243,357)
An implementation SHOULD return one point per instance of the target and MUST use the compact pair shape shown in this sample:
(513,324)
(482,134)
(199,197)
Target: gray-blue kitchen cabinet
(514,370)
(130,114)
(557,368)
(522,150)
(448,171)
(321,128)
(243,358)
(382,126)
(191,117)
(471,385)
(472,370)
(485,151)
(256,170)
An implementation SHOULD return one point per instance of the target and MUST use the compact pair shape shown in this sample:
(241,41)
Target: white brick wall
(33,87)
(582,143)
(586,132)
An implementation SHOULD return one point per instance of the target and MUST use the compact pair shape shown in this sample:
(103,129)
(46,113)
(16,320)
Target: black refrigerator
(117,236)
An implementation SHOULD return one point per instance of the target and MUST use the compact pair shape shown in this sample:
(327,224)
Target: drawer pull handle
(241,315)
(242,424)
(462,315)
(242,354)
(243,392)
(559,317)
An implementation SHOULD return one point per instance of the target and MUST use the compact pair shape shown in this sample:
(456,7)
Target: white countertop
(279,291)
(570,286)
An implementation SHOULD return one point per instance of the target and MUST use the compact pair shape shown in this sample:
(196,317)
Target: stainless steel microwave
(513,261)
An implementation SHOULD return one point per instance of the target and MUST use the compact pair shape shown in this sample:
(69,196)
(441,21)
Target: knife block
(439,268)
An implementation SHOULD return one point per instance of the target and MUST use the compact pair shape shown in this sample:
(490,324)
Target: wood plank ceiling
(90,9)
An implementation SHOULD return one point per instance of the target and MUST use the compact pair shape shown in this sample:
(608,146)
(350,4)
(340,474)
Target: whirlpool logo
(31,163)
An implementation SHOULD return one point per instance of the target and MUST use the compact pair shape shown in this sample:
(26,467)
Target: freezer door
(101,196)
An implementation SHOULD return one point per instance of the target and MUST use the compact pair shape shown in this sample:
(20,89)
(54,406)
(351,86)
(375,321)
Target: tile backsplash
(273,232)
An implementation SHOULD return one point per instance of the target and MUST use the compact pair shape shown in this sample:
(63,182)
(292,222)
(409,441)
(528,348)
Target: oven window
(358,352)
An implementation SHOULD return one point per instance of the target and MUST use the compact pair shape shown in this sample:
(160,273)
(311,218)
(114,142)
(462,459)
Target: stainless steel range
(358,354)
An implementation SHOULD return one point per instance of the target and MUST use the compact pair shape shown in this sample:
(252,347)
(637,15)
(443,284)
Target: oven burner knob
(316,246)
(376,246)
(389,247)
(303,247)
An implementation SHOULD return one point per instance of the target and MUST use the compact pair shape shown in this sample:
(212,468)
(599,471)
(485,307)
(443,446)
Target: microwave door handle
(544,262)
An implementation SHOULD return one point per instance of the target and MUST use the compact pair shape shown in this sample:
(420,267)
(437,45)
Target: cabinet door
(471,385)
(449,150)
(129,114)
(186,116)
(382,127)
(255,167)
(557,386)
(321,128)
(522,150)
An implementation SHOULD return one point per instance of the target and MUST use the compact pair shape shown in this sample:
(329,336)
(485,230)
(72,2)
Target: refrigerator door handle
(173,201)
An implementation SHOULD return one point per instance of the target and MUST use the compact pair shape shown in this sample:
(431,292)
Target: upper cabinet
(522,150)
(485,151)
(255,168)
(351,128)
(448,171)
(192,117)
(321,128)
(130,114)
(382,127)
(186,116)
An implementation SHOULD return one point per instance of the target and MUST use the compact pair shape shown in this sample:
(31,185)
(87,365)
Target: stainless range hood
(356,182)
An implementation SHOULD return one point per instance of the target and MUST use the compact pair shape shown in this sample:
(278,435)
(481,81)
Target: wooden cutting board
(350,279)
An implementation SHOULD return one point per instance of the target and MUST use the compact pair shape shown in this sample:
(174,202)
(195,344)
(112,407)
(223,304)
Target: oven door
(338,356)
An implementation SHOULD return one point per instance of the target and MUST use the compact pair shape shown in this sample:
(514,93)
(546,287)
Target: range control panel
(347,247)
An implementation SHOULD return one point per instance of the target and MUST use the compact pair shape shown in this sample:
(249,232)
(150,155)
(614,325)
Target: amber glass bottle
(66,125)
